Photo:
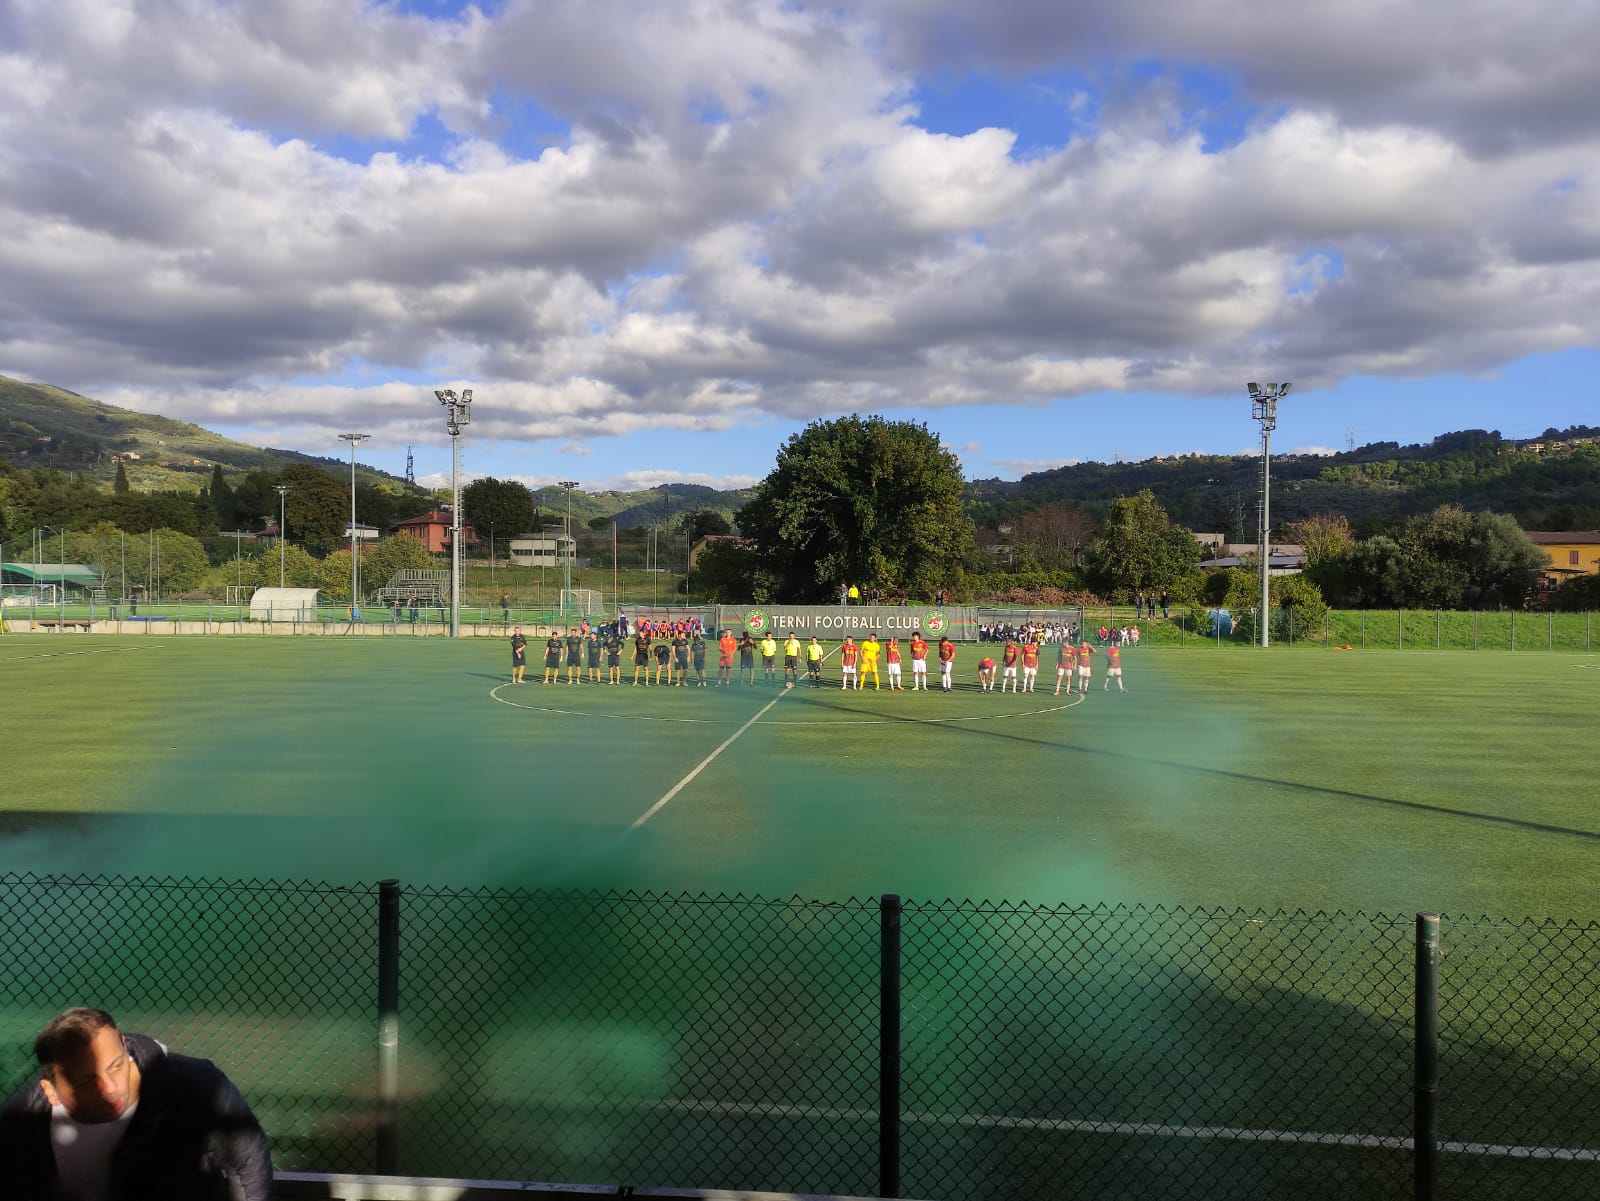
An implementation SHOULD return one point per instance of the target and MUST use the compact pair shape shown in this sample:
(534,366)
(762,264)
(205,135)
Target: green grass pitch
(1294,778)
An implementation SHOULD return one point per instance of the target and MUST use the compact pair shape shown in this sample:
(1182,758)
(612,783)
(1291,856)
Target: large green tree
(317,508)
(859,500)
(1139,549)
(502,506)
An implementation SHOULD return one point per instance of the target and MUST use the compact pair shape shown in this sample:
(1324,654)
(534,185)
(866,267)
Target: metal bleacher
(429,586)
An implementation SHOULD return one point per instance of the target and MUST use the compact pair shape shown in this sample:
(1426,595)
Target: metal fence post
(1400,629)
(388,1026)
(1425,1120)
(889,1046)
(1513,629)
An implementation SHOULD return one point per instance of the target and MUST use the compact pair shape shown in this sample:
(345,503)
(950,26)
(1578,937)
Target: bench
(69,623)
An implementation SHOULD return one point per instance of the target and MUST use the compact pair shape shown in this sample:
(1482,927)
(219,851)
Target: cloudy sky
(658,236)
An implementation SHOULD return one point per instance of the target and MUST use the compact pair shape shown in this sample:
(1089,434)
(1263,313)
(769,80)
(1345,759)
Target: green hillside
(44,426)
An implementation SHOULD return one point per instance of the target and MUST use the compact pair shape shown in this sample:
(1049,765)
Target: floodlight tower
(457,416)
(1264,408)
(569,485)
(355,440)
(282,490)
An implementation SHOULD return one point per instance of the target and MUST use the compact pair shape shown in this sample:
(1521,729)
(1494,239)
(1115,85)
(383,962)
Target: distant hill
(44,426)
(1548,482)
(1551,481)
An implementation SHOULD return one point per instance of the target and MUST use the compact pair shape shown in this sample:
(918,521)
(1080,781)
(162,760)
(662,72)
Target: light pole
(457,416)
(1264,408)
(355,440)
(567,550)
(282,490)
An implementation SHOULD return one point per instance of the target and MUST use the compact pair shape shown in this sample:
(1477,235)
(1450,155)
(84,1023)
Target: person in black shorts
(613,648)
(591,647)
(519,656)
(747,658)
(680,659)
(697,651)
(663,651)
(552,658)
(641,657)
(574,656)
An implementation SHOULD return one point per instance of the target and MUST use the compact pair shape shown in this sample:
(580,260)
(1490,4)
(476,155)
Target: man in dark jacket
(117,1117)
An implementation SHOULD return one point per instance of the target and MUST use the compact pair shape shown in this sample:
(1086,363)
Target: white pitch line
(702,765)
(90,650)
(989,1121)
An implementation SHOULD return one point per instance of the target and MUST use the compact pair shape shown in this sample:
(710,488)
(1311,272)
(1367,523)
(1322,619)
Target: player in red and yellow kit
(1008,663)
(1030,664)
(1114,667)
(947,663)
(891,656)
(986,674)
(725,648)
(849,656)
(1085,665)
(919,662)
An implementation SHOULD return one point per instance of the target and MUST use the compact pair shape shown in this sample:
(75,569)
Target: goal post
(586,601)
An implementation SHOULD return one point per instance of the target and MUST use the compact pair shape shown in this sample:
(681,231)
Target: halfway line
(702,765)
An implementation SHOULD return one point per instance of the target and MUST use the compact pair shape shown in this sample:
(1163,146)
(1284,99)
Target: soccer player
(919,661)
(1030,662)
(870,649)
(947,663)
(814,662)
(697,651)
(1085,666)
(747,658)
(725,648)
(849,656)
(891,656)
(791,660)
(613,658)
(641,654)
(574,656)
(591,646)
(1008,660)
(663,650)
(519,656)
(769,658)
(1066,659)
(680,657)
(1114,667)
(986,674)
(552,658)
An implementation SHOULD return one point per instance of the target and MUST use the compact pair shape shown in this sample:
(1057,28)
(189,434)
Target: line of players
(676,649)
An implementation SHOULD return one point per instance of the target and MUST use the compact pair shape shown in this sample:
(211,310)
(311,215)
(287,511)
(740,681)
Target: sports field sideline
(1375,780)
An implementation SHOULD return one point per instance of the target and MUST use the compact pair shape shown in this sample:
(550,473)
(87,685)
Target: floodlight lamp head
(1255,390)
(446,395)
(466,396)
(1283,389)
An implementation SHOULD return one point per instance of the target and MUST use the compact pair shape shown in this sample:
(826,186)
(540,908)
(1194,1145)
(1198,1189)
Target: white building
(544,550)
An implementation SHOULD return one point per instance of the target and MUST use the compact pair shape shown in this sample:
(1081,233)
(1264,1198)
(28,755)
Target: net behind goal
(586,601)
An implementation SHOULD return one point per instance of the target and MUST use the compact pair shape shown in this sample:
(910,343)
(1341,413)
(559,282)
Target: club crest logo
(934,622)
(755,621)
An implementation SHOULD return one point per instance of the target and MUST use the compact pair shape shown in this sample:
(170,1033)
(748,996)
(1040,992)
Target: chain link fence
(956,1050)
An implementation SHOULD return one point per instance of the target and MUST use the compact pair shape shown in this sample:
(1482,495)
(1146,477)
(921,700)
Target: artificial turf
(1390,781)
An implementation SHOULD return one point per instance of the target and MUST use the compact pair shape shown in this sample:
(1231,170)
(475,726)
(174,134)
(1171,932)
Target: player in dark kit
(574,656)
(697,649)
(613,647)
(680,658)
(519,655)
(552,659)
(591,647)
(642,654)
(747,658)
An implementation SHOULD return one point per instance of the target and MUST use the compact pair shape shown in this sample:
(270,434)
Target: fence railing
(946,1049)
(1373,629)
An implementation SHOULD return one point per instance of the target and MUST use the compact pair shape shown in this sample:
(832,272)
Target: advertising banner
(834,622)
